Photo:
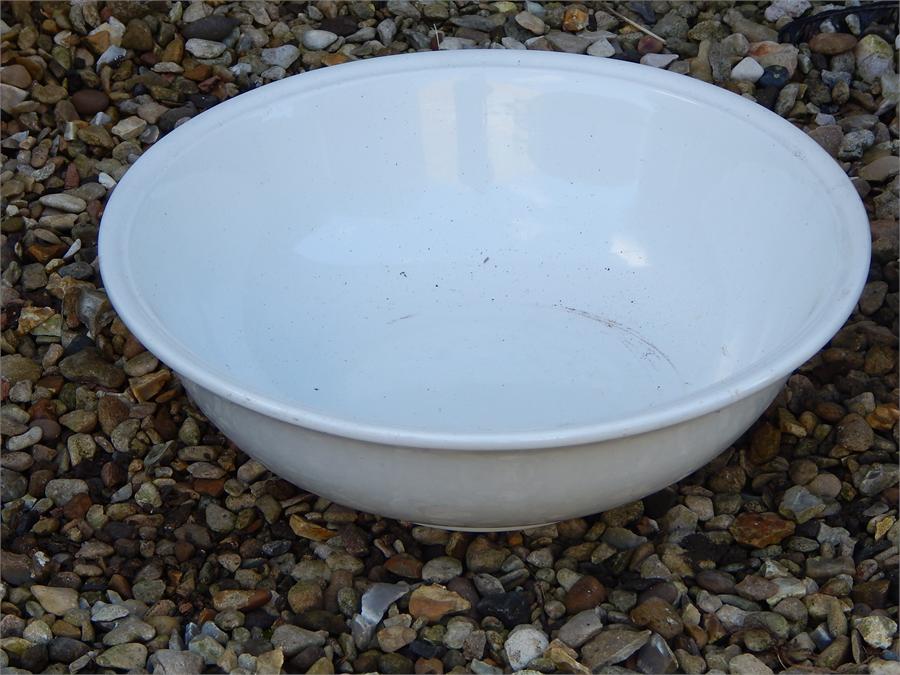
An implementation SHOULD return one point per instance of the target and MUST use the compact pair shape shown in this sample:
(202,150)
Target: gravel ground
(136,537)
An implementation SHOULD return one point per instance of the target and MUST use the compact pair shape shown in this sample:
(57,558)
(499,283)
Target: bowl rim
(117,220)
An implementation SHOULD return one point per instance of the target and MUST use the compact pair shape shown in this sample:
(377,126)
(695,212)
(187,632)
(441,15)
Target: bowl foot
(512,528)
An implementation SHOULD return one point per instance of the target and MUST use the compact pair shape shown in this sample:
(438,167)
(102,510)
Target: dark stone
(275,548)
(78,343)
(424,649)
(766,96)
(320,619)
(302,661)
(511,608)
(665,591)
(16,568)
(65,650)
(715,581)
(203,101)
(168,119)
(257,646)
(89,102)
(214,27)
(394,663)
(34,658)
(258,618)
(774,76)
(340,25)
(658,504)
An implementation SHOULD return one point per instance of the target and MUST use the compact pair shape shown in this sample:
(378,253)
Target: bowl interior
(506,248)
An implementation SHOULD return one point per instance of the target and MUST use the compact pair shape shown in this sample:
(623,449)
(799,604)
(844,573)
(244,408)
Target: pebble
(585,594)
(611,647)
(63,202)
(581,628)
(318,39)
(832,43)
(215,28)
(442,569)
(659,616)
(531,23)
(283,56)
(131,656)
(204,49)
(874,58)
(602,48)
(749,664)
(523,645)
(293,639)
(511,608)
(433,602)
(747,70)
(56,600)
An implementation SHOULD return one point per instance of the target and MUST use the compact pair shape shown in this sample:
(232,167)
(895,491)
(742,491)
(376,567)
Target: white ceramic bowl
(484,289)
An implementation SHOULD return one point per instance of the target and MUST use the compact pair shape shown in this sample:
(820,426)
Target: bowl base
(512,528)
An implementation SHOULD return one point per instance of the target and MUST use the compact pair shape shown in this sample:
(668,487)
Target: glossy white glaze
(592,274)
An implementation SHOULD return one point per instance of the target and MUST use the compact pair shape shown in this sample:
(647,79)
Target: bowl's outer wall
(482,490)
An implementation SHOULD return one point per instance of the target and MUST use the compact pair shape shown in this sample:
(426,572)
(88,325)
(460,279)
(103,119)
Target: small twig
(437,35)
(635,24)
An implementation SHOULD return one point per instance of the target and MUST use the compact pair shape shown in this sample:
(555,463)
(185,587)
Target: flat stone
(611,647)
(581,628)
(64,202)
(127,630)
(749,664)
(293,639)
(881,169)
(658,615)
(214,27)
(566,42)
(129,657)
(434,602)
(531,23)
(283,56)
(240,599)
(832,43)
(177,662)
(442,569)
(760,529)
(10,97)
(204,49)
(55,600)
(318,39)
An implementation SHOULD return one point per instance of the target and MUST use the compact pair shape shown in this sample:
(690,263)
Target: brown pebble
(209,486)
(120,585)
(77,507)
(832,43)
(111,411)
(649,45)
(760,529)
(89,101)
(112,475)
(184,551)
(429,667)
(50,428)
(17,76)
(586,593)
(404,565)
